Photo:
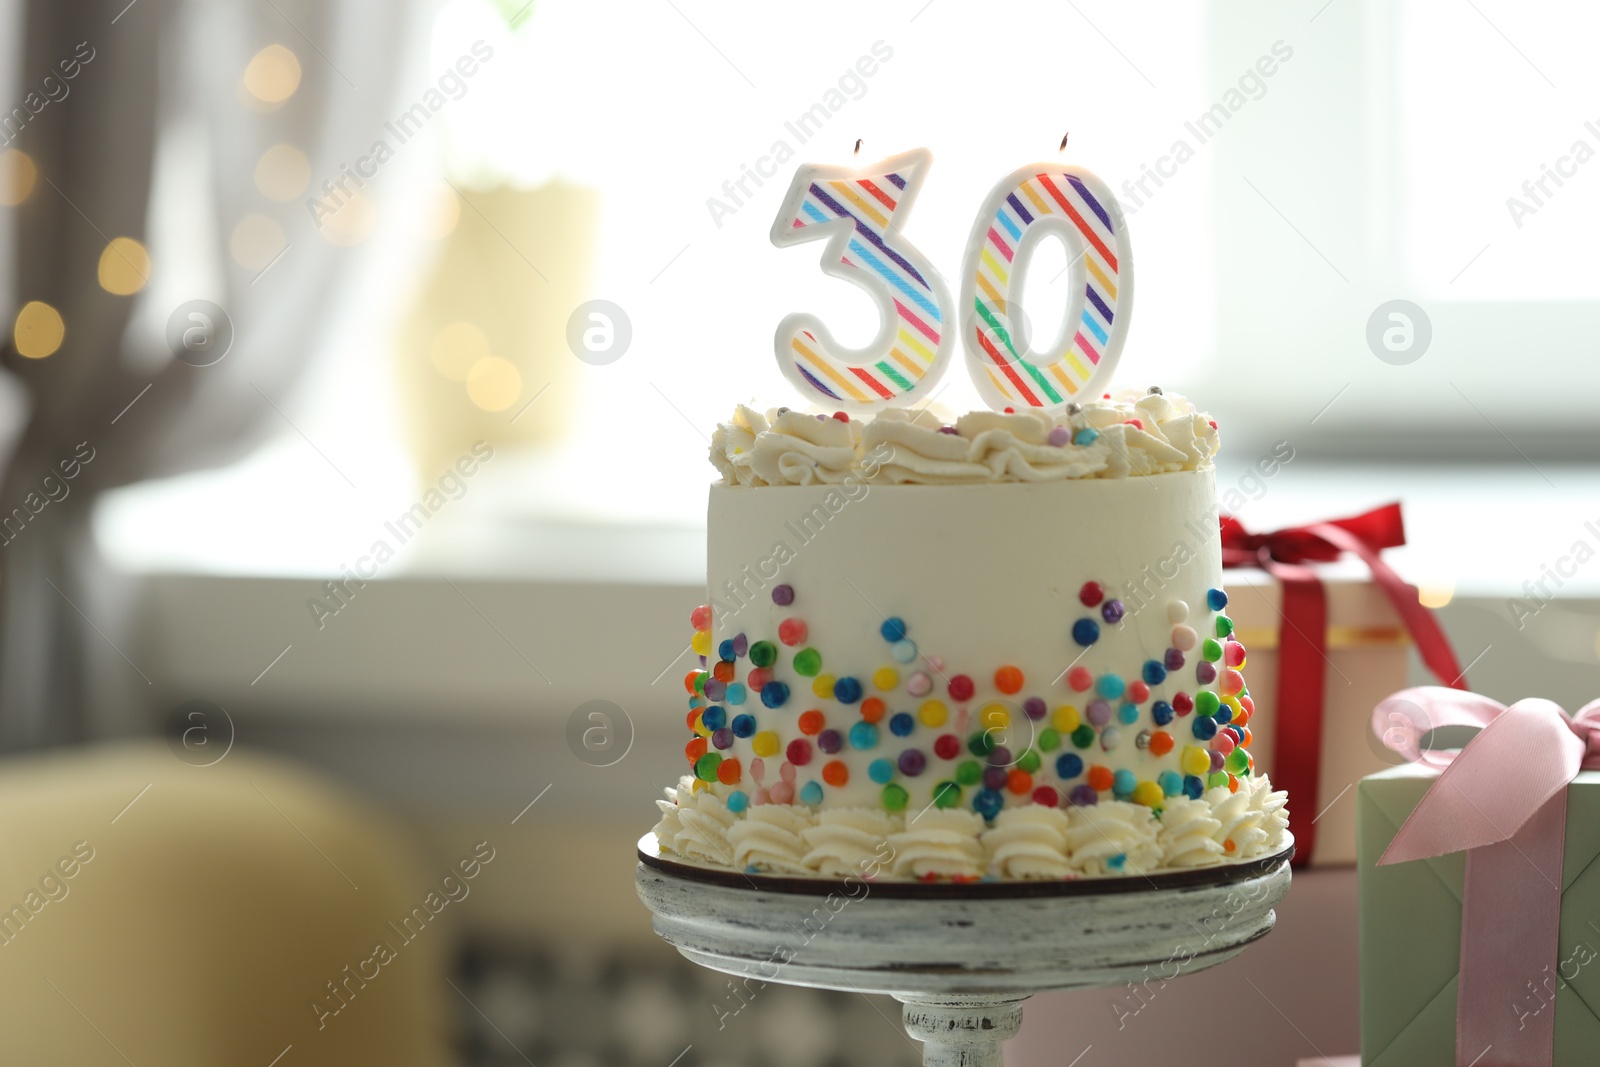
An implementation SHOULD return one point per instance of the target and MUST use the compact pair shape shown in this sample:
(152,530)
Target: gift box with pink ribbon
(1330,627)
(1480,886)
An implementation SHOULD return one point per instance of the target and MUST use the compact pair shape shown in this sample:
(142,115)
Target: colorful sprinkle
(701,642)
(884,679)
(1206,702)
(1065,718)
(946,794)
(811,793)
(893,629)
(1155,672)
(1173,661)
(744,726)
(1080,679)
(933,713)
(947,746)
(1083,736)
(1177,611)
(988,803)
(1138,692)
(836,773)
(1110,738)
(775,694)
(830,741)
(863,735)
(822,686)
(1091,594)
(741,645)
(792,631)
(1182,703)
(1224,626)
(700,617)
(1086,436)
(1008,680)
(1019,782)
(1085,632)
(763,653)
(1161,712)
(1046,796)
(1195,760)
(765,743)
(901,724)
(811,722)
(903,651)
(912,762)
(1193,787)
(1112,611)
(919,684)
(1205,727)
(1128,714)
(1083,796)
(969,772)
(1109,686)
(1160,743)
(1233,654)
(1205,673)
(714,717)
(1216,599)
(1184,638)
(783,595)
(1069,765)
(881,771)
(722,739)
(1099,712)
(961,688)
(737,801)
(1171,783)
(705,768)
(1149,794)
(894,797)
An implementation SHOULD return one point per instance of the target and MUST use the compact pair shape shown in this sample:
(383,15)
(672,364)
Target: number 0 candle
(1031,203)
(862,212)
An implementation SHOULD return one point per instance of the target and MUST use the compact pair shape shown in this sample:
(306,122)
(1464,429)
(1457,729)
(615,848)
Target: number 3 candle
(1028,205)
(862,213)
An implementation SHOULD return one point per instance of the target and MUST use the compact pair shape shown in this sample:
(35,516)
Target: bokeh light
(494,383)
(457,348)
(283,172)
(17,177)
(256,242)
(272,75)
(38,331)
(124,266)
(442,213)
(350,222)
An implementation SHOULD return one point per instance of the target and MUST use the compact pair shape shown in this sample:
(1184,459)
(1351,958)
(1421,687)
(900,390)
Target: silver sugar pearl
(1155,390)
(1074,407)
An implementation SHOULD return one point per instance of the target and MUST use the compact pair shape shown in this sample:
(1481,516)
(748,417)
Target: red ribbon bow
(1302,635)
(1503,801)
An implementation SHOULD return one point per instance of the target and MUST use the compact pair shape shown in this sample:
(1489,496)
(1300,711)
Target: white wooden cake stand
(961,957)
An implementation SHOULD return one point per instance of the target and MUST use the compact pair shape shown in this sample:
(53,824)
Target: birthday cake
(996,646)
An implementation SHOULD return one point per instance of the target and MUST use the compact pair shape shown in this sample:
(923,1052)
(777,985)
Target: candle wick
(858,146)
(1064,137)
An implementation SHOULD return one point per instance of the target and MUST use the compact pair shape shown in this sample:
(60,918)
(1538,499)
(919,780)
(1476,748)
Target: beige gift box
(1367,652)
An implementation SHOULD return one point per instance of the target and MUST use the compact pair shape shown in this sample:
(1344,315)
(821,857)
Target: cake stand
(961,958)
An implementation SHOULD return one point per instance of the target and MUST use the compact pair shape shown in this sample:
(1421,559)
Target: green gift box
(1410,916)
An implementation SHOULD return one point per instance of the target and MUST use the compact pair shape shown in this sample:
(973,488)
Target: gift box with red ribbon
(1480,887)
(1326,644)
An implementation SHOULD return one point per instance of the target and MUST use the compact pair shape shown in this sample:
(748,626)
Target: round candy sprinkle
(737,801)
(1030,761)
(1128,714)
(774,694)
(1193,787)
(701,642)
(763,653)
(783,595)
(961,688)
(946,794)
(1109,686)
(1083,736)
(1059,436)
(1224,742)
(947,746)
(1182,703)
(830,741)
(912,762)
(980,743)
(1122,783)
(893,629)
(1184,638)
(1049,739)
(1000,756)
(847,690)
(714,717)
(1045,796)
(1141,740)
(1019,782)
(1086,632)
(1216,599)
(1138,692)
(744,725)
(1099,712)
(1217,760)
(1232,682)
(1086,436)
(988,803)
(741,645)
(894,797)
(836,772)
(933,713)
(700,617)
(692,682)
(1069,765)
(1155,672)
(695,748)
(1035,708)
(885,679)
(903,651)
(721,671)
(1149,794)
(811,793)
(1219,780)
(705,768)
(1171,783)
(716,689)
(1233,654)
(863,735)
(725,651)
(822,686)
(734,693)
(1160,743)
(994,777)
(919,684)
(811,722)
(1110,738)
(1008,680)
(1173,660)
(1237,762)
(1195,760)
(1161,712)
(722,738)
(901,724)
(1224,626)
(969,772)
(1091,594)
(728,770)
(792,631)
(782,793)
(1205,673)
(1065,718)
(1112,611)
(1204,727)
(765,743)
(758,677)
(1177,611)
(1244,742)
(994,717)
(881,771)
(1210,650)
(1223,714)
(1083,796)
(1080,679)
(1206,702)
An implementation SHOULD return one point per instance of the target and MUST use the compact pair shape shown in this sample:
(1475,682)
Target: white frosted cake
(993,648)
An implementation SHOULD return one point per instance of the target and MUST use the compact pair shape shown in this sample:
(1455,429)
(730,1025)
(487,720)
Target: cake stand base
(961,958)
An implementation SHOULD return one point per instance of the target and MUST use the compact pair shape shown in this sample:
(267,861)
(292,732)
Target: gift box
(1488,954)
(1328,627)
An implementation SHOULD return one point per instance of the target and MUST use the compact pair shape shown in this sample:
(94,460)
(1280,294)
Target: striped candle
(1031,203)
(862,212)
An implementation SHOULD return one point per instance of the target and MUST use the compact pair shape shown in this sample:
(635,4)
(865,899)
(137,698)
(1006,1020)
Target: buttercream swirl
(1028,842)
(1134,434)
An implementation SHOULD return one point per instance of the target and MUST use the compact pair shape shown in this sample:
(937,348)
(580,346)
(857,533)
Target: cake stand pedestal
(961,958)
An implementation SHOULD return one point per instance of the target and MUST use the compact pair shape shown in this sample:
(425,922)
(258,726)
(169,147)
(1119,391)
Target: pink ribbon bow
(1503,800)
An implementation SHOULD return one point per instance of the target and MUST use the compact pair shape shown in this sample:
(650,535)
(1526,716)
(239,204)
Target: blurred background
(313,489)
